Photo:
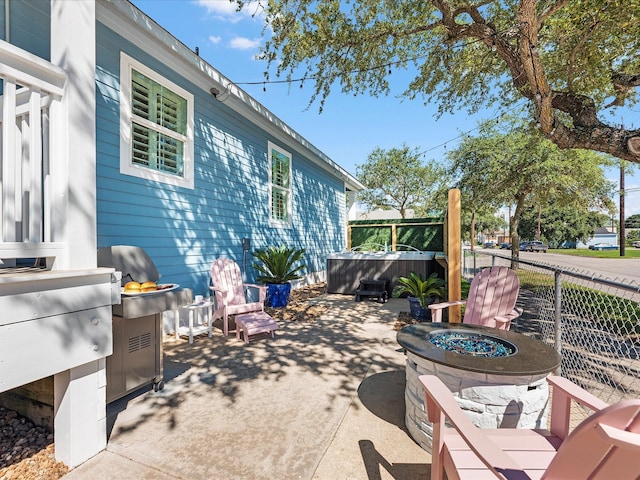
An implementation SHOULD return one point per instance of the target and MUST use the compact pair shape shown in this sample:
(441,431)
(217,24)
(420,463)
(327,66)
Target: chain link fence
(593,322)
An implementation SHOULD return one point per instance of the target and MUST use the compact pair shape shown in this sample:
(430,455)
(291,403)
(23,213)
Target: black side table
(372,289)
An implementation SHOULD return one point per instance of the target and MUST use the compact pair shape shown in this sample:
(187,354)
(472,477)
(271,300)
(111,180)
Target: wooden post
(453,242)
(394,237)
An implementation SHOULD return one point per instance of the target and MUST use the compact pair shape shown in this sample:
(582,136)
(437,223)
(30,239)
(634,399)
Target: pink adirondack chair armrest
(563,392)
(436,308)
(221,292)
(506,319)
(441,404)
(261,288)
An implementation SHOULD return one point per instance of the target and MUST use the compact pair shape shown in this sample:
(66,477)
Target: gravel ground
(26,451)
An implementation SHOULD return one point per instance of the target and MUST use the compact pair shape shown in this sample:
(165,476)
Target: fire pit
(497,376)
(476,344)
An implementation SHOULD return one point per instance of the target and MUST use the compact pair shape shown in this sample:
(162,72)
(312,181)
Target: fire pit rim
(532,358)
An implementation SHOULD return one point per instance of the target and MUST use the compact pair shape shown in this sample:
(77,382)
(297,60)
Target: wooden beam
(453,246)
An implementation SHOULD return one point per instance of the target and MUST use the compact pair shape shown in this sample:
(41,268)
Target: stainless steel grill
(137,323)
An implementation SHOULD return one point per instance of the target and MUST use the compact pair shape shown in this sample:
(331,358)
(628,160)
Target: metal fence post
(475,268)
(558,317)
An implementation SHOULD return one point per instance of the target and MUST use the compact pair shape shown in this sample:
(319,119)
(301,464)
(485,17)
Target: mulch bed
(404,319)
(298,308)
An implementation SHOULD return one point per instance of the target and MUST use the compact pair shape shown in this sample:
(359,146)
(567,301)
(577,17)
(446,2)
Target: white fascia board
(131,23)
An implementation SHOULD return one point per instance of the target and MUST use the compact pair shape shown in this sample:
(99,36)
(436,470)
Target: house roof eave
(121,15)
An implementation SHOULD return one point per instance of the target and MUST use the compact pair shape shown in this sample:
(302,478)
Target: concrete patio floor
(323,400)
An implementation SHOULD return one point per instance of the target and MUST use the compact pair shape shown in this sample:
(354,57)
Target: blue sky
(349,127)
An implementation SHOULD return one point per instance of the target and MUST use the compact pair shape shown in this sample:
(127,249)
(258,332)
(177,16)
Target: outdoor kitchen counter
(531,358)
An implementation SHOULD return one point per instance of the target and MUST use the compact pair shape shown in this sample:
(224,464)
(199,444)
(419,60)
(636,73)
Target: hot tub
(497,376)
(346,269)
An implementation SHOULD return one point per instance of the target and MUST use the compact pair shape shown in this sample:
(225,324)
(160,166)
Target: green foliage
(277,264)
(425,234)
(573,60)
(630,252)
(633,221)
(370,238)
(397,179)
(423,290)
(572,223)
(486,220)
(519,167)
(632,235)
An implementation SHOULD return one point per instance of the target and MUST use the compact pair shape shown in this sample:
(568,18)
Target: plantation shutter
(158,127)
(280,173)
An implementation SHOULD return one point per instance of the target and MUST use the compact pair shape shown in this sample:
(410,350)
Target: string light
(493,48)
(387,65)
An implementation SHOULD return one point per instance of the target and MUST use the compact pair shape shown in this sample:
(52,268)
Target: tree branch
(574,52)
(626,79)
(550,11)
(622,84)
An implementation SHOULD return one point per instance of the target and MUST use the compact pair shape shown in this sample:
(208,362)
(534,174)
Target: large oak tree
(576,61)
(398,179)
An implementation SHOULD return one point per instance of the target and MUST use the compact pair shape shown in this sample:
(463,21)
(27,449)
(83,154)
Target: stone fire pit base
(489,400)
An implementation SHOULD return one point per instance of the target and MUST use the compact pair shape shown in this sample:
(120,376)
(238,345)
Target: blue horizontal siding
(30,28)
(184,230)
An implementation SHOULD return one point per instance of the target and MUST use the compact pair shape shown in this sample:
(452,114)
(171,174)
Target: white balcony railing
(30,108)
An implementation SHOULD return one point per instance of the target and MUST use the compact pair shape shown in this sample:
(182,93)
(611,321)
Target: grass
(629,252)
(583,301)
(600,306)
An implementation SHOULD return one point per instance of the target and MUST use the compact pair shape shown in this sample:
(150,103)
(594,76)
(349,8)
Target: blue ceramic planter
(278,294)
(418,312)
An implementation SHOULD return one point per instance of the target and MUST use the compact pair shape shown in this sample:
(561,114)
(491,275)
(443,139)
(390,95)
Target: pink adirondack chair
(605,446)
(492,299)
(230,293)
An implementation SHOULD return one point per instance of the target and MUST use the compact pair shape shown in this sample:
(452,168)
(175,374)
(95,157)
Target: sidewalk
(323,401)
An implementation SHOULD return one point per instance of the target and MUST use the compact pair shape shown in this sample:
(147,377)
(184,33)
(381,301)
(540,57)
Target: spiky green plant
(277,264)
(423,290)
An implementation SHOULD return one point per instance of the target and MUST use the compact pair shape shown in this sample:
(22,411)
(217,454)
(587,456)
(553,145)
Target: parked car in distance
(536,247)
(523,245)
(636,244)
(505,245)
(489,244)
(603,246)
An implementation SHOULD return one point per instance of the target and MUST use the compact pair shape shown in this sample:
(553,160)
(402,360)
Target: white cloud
(227,10)
(215,40)
(242,43)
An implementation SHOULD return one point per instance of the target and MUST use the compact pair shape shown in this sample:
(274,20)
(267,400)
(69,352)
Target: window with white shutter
(156,119)
(279,185)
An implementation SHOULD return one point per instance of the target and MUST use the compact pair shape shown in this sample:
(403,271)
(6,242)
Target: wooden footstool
(254,323)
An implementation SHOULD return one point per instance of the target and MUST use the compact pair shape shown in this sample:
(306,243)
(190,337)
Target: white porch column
(73,47)
(79,393)
(351,201)
(80,418)
(351,215)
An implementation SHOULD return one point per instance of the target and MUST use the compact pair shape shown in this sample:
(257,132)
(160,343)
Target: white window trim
(127,64)
(273,222)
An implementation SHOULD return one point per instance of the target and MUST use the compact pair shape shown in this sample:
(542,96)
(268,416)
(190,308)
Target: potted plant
(420,293)
(277,268)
